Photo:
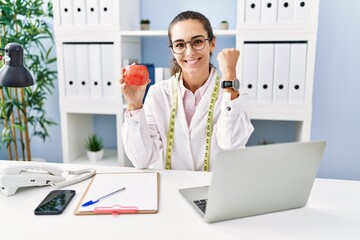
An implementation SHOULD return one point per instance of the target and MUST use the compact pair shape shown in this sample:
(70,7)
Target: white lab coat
(145,133)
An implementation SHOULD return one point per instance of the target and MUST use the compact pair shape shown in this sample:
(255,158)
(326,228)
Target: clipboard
(141,195)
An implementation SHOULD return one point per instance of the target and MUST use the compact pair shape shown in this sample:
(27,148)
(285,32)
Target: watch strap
(226,84)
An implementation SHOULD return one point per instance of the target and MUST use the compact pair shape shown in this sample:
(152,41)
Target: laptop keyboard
(201,204)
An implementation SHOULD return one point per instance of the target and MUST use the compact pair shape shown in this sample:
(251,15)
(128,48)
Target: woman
(186,120)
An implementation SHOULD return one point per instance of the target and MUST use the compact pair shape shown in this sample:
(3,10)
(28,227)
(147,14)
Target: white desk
(333,212)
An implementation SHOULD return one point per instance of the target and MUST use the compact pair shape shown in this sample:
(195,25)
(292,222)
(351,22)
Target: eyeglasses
(197,43)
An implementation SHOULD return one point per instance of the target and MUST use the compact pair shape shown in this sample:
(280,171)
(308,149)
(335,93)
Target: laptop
(257,180)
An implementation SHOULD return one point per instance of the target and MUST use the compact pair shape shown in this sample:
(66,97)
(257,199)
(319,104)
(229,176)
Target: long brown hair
(186,16)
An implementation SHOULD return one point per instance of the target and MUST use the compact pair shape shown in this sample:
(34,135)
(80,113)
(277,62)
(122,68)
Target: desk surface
(333,212)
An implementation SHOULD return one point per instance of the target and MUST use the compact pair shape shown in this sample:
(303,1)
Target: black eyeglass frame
(192,45)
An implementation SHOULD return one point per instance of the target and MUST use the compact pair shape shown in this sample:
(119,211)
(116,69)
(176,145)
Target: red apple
(136,75)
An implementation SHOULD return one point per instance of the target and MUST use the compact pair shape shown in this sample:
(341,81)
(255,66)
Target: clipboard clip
(115,210)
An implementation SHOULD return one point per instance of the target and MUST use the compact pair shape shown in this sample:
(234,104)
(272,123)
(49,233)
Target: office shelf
(116,23)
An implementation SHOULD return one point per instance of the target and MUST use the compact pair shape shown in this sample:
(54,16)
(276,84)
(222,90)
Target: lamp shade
(14,73)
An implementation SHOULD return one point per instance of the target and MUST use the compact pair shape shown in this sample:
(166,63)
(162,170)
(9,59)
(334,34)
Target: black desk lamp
(15,75)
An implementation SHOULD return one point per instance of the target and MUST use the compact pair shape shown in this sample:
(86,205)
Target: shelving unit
(92,23)
(297,25)
(116,24)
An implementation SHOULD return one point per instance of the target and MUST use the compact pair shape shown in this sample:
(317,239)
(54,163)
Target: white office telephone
(27,174)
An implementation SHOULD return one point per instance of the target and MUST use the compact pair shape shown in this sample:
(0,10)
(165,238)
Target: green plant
(94,143)
(26,22)
(224,21)
(144,21)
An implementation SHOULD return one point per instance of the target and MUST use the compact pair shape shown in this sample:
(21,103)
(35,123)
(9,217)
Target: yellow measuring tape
(171,130)
(209,124)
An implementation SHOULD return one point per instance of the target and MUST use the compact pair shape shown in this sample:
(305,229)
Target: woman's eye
(197,42)
(180,45)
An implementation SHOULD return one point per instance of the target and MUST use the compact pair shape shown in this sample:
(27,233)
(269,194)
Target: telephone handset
(26,174)
(18,167)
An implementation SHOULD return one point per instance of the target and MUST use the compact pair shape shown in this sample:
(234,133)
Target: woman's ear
(212,44)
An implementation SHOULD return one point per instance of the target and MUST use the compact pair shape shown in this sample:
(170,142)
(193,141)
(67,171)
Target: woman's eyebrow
(182,40)
(179,40)
(198,36)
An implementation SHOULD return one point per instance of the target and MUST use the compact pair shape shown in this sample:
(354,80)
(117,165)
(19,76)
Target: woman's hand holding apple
(134,80)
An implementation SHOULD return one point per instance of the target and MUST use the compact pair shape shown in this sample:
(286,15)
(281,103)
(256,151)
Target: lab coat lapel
(203,107)
(180,116)
(180,113)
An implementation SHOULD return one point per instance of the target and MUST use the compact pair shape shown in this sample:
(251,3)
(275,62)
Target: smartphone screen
(55,202)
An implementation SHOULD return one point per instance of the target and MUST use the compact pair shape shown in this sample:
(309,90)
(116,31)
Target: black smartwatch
(234,84)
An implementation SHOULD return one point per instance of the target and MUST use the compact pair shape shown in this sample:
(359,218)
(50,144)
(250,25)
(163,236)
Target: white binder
(106,12)
(268,11)
(252,11)
(92,12)
(95,70)
(128,61)
(297,72)
(265,72)
(250,69)
(302,11)
(79,11)
(285,11)
(281,72)
(66,12)
(107,64)
(162,73)
(82,69)
(70,70)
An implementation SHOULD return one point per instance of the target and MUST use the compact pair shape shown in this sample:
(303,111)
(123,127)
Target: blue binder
(151,70)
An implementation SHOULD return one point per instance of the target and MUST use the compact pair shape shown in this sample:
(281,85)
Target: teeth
(192,61)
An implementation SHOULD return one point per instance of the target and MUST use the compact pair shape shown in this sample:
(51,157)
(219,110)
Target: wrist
(228,75)
(134,106)
(233,94)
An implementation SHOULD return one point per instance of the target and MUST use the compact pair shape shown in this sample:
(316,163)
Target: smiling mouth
(191,62)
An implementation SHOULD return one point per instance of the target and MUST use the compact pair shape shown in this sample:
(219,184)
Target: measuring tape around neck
(209,123)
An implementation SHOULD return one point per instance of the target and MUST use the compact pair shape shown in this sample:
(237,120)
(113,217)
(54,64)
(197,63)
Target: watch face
(236,84)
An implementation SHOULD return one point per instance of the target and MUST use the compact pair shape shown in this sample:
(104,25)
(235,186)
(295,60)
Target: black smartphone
(55,202)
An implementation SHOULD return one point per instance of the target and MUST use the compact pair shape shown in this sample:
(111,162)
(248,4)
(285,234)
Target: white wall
(336,113)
